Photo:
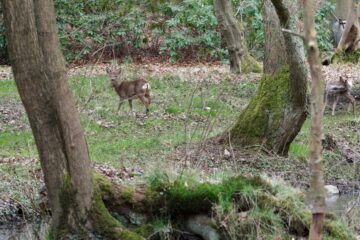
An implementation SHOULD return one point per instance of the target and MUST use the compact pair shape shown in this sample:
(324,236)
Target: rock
(227,154)
(331,190)
(203,226)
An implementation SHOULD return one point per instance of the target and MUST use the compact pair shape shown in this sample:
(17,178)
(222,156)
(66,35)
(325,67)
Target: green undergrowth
(342,57)
(240,207)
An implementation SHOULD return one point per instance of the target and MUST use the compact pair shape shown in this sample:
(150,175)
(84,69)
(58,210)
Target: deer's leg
(325,101)
(352,101)
(147,95)
(334,105)
(145,102)
(121,102)
(130,104)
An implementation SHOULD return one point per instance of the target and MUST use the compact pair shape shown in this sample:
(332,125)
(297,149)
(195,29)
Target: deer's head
(113,74)
(346,81)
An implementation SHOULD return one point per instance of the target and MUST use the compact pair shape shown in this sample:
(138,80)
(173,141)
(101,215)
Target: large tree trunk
(40,75)
(275,52)
(351,32)
(317,191)
(342,9)
(240,59)
(277,112)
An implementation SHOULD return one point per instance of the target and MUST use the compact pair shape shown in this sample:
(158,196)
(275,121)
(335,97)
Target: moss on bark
(249,64)
(263,115)
(102,221)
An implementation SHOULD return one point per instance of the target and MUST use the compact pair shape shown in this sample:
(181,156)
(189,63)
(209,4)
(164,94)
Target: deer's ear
(118,71)
(342,79)
(108,70)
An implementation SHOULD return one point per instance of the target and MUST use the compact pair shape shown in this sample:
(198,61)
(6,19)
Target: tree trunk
(317,191)
(342,9)
(240,59)
(277,112)
(351,32)
(40,75)
(275,52)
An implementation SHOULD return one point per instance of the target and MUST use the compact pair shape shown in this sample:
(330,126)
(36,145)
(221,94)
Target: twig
(333,14)
(293,33)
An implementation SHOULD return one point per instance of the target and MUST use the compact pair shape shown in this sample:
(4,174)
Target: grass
(181,111)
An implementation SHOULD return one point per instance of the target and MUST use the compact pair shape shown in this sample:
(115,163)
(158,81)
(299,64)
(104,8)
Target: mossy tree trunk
(40,75)
(240,58)
(277,112)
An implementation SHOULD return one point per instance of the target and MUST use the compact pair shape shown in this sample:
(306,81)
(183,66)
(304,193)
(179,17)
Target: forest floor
(190,105)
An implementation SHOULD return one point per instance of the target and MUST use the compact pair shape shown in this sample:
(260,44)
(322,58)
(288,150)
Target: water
(340,204)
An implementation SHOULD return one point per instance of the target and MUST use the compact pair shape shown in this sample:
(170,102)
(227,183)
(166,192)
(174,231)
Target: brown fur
(339,88)
(129,90)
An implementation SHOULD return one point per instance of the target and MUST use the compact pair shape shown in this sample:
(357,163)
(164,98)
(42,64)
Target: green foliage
(170,28)
(322,26)
(249,13)
(195,25)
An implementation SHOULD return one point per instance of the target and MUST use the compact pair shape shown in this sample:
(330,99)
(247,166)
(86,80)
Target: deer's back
(128,89)
(337,87)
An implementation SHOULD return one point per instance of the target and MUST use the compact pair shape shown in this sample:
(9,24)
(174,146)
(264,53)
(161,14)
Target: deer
(129,90)
(336,89)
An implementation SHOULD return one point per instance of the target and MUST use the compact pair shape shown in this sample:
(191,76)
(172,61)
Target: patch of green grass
(17,144)
(8,90)
(299,150)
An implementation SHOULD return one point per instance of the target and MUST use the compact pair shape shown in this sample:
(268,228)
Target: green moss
(145,230)
(249,64)
(264,114)
(337,230)
(341,56)
(103,222)
(103,184)
(128,194)
(189,198)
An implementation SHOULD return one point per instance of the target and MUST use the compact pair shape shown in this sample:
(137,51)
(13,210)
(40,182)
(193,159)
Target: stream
(339,204)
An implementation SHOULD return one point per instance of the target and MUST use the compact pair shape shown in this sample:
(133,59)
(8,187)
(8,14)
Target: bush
(174,30)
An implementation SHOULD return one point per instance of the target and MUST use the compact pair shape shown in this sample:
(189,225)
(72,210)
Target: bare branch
(293,33)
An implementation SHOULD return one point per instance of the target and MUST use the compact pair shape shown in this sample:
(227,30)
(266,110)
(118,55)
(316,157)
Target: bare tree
(40,75)
(240,59)
(317,191)
(277,111)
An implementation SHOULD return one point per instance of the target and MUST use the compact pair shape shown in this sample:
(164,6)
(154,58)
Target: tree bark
(240,59)
(40,75)
(351,32)
(275,52)
(231,33)
(277,112)
(317,191)
(342,9)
